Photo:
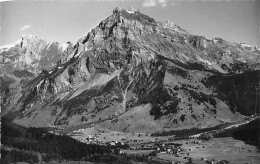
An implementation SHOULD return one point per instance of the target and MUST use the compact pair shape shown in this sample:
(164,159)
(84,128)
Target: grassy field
(229,149)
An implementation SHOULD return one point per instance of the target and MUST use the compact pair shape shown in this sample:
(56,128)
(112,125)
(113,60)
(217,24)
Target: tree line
(49,145)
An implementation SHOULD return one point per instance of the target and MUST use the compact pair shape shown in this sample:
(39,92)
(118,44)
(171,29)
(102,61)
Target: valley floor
(218,149)
(146,148)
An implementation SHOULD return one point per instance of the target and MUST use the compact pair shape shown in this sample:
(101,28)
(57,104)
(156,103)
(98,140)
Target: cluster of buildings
(169,149)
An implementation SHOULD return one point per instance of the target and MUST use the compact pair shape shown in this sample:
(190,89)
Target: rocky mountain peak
(32,43)
(119,23)
(29,38)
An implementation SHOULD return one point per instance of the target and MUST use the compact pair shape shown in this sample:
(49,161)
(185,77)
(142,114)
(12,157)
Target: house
(169,151)
(112,143)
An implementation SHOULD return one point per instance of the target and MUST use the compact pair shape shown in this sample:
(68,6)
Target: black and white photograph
(130,81)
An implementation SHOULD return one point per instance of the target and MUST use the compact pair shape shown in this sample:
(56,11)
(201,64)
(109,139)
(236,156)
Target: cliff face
(24,60)
(131,73)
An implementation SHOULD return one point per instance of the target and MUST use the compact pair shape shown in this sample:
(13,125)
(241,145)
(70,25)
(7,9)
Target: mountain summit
(132,73)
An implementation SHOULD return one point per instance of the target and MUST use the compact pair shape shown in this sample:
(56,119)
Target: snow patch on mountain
(49,44)
(63,46)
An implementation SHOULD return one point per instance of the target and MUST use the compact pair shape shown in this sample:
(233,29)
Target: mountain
(26,59)
(130,73)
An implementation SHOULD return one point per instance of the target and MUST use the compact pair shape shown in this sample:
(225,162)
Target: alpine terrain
(129,74)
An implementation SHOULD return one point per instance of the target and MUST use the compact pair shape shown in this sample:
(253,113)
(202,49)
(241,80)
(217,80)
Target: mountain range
(131,74)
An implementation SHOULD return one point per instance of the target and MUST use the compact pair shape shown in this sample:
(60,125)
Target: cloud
(26,27)
(153,3)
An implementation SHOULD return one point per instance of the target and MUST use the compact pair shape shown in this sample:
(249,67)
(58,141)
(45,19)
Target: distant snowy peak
(61,46)
(8,46)
(29,37)
(26,41)
(33,54)
(64,46)
(32,42)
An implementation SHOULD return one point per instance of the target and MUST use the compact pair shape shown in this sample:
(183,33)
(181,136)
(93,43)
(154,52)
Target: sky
(67,20)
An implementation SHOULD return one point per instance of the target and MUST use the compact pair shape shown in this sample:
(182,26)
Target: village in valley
(194,149)
(132,143)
